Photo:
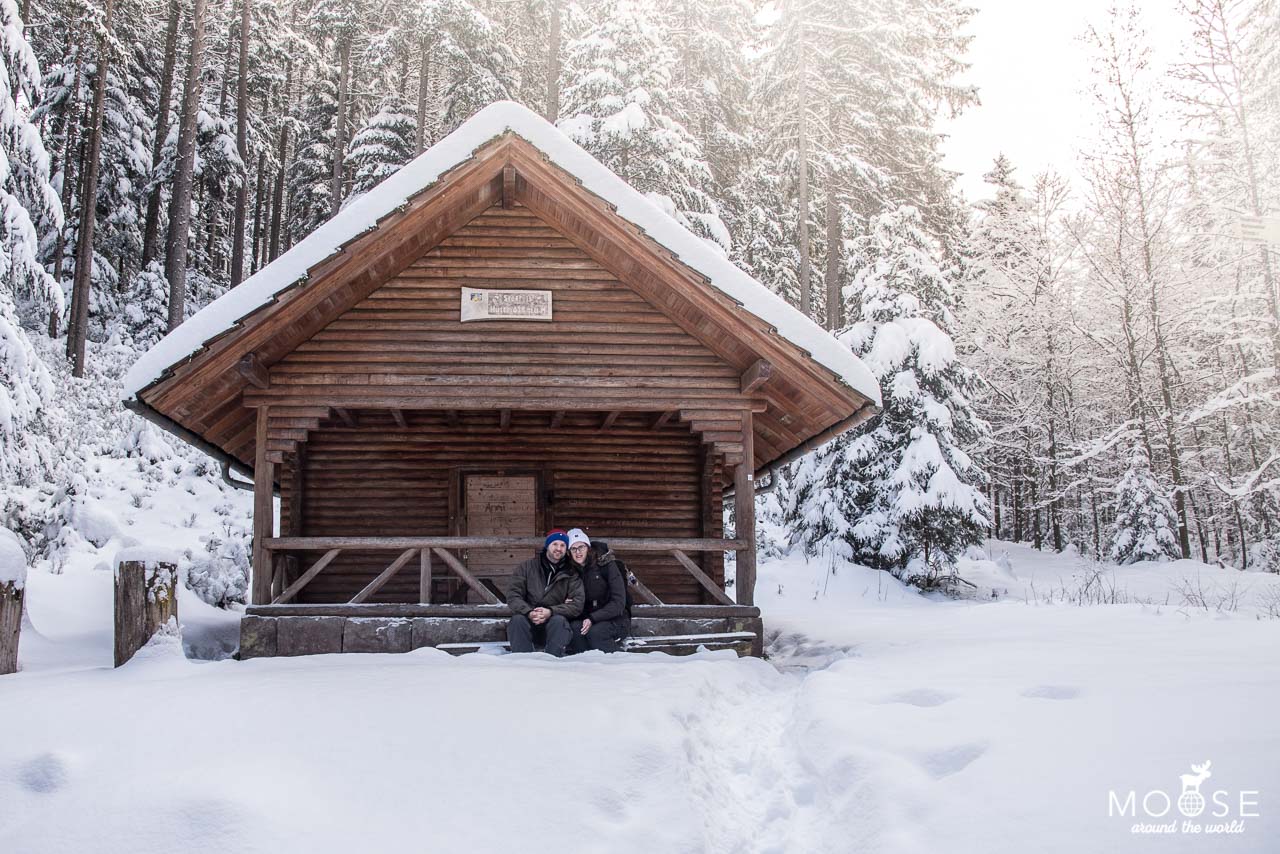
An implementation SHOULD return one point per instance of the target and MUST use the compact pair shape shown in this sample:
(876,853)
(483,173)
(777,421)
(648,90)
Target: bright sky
(1031,70)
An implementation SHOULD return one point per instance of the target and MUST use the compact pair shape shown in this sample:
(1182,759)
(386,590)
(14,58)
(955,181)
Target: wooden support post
(557,420)
(11,593)
(649,597)
(609,420)
(662,420)
(399,417)
(146,598)
(424,576)
(756,375)
(293,589)
(345,417)
(465,574)
(263,514)
(702,578)
(712,523)
(744,513)
(504,419)
(451,418)
(508,187)
(252,370)
(377,584)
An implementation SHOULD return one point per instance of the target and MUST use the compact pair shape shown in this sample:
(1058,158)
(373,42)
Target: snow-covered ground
(884,722)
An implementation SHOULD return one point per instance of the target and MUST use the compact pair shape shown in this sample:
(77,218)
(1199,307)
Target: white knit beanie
(577,535)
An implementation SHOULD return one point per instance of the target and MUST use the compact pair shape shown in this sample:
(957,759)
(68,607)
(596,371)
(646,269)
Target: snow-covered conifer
(27,203)
(381,146)
(618,105)
(312,168)
(1145,527)
(901,493)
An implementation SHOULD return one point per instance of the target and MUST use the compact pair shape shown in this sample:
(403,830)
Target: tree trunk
(259,204)
(70,157)
(834,247)
(242,148)
(277,196)
(1017,505)
(146,600)
(11,596)
(175,266)
(151,230)
(553,62)
(424,82)
(340,124)
(83,278)
(802,162)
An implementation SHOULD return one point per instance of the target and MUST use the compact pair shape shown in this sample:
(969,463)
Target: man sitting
(544,594)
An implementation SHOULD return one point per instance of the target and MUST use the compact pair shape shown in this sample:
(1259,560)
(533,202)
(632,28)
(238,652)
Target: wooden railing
(427,547)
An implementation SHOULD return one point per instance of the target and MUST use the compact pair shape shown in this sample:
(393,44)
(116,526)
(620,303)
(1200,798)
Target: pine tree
(312,167)
(27,204)
(1014,320)
(618,105)
(900,494)
(381,146)
(1146,527)
(850,95)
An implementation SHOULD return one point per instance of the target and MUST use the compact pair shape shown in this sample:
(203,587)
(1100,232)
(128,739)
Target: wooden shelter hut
(500,338)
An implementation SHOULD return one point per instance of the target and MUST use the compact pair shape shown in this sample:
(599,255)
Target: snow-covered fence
(13,577)
(146,584)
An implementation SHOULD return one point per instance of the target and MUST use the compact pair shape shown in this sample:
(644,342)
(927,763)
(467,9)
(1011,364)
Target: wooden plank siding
(383,480)
(405,339)
(609,361)
(507,217)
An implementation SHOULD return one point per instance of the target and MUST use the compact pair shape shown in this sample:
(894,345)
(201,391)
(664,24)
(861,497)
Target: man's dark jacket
(539,583)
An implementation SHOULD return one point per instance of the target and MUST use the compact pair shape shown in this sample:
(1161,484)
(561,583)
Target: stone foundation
(311,634)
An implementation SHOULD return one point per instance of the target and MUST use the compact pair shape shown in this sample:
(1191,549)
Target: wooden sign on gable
(480,304)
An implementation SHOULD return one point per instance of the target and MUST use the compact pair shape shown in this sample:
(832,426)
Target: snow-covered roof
(494,120)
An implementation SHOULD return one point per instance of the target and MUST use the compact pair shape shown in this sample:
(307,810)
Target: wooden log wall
(632,419)
(404,346)
(381,479)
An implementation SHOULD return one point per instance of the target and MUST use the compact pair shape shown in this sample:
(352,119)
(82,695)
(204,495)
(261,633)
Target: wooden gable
(638,330)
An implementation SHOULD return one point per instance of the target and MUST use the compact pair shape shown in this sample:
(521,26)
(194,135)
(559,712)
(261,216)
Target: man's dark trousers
(522,634)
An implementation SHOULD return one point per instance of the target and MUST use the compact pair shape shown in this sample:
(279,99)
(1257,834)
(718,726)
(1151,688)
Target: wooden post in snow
(263,515)
(146,599)
(13,578)
(744,514)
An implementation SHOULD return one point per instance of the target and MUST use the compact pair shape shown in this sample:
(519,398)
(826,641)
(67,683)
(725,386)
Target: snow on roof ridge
(424,170)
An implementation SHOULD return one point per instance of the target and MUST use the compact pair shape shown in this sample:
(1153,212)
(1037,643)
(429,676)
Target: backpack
(628,578)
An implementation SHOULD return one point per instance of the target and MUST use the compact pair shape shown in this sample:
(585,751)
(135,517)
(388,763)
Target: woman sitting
(604,622)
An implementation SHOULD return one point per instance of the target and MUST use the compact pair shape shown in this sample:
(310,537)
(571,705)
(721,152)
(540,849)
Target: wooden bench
(740,642)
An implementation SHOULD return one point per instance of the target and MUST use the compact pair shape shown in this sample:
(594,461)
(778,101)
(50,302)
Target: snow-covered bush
(221,576)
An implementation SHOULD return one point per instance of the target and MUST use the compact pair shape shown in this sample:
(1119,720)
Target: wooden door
(499,506)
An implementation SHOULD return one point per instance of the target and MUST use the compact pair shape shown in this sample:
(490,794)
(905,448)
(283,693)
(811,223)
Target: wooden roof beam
(252,370)
(756,375)
(400,420)
(508,186)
